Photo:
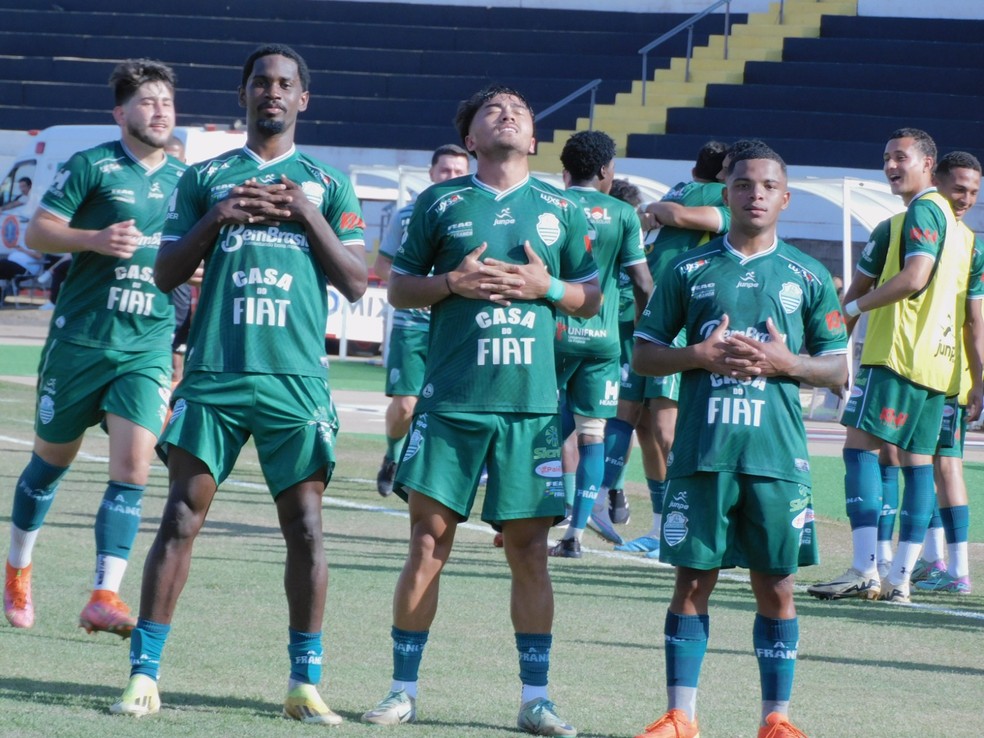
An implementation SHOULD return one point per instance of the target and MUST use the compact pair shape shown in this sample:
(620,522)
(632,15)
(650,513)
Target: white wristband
(852,310)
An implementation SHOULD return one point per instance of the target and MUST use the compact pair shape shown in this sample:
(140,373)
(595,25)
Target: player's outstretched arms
(50,234)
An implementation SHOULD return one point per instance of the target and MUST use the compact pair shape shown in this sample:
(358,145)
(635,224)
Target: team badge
(416,437)
(675,528)
(46,409)
(548,228)
(394,375)
(791,297)
(313,192)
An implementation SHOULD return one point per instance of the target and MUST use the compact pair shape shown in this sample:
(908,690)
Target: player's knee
(585,426)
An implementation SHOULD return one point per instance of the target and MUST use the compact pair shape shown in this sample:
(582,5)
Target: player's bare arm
(700,218)
(249,203)
(343,264)
(654,360)
(915,275)
(642,286)
(50,234)
(861,284)
(580,299)
(749,357)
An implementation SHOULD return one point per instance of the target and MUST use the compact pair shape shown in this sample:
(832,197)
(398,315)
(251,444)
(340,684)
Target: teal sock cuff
(956,523)
(776,644)
(685,645)
(306,653)
(862,488)
(408,650)
(118,519)
(393,447)
(534,658)
(146,647)
(34,493)
(657,493)
(917,502)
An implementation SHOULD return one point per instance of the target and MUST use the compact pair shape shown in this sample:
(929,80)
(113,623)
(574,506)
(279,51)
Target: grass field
(864,669)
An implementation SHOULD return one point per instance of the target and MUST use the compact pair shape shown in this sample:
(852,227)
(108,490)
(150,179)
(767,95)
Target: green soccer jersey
(671,241)
(264,304)
(616,242)
(109,302)
(484,357)
(409,319)
(747,426)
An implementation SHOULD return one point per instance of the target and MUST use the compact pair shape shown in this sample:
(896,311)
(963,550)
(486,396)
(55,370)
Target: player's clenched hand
(119,240)
(749,357)
(506,281)
(713,350)
(252,202)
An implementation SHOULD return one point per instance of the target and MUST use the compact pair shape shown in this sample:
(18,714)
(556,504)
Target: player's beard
(148,135)
(270,126)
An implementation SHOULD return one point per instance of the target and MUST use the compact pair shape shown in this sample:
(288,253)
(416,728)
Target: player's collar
(135,160)
(262,163)
(923,192)
(742,259)
(497,193)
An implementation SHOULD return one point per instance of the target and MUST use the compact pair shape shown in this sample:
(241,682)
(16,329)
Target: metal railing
(591,87)
(688,26)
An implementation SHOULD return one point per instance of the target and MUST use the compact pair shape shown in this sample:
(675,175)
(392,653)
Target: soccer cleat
(539,717)
(926,571)
(396,708)
(618,507)
(17,604)
(139,698)
(851,583)
(303,703)
(894,592)
(674,724)
(642,544)
(108,613)
(600,524)
(567,548)
(384,478)
(777,725)
(945,583)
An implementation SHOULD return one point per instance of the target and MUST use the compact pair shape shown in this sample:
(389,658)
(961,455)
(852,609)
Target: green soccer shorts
(589,385)
(445,453)
(406,358)
(79,385)
(895,410)
(719,520)
(291,419)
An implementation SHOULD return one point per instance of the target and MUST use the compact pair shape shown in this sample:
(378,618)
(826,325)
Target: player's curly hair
(585,153)
(468,108)
(129,75)
(752,148)
(924,142)
(957,160)
(303,73)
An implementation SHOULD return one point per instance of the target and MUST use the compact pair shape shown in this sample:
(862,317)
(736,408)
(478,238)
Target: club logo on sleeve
(548,228)
(790,297)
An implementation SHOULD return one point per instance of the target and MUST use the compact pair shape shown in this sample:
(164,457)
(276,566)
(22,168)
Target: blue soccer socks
(305,651)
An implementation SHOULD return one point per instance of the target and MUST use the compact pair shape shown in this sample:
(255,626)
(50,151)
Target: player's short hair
(624,190)
(709,160)
(31,184)
(129,75)
(752,149)
(586,152)
(957,160)
(447,150)
(924,142)
(303,73)
(468,108)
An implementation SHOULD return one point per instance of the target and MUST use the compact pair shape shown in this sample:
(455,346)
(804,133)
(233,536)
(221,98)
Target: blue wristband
(556,290)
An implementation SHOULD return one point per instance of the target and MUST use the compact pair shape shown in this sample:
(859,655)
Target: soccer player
(506,251)
(275,227)
(957,178)
(107,357)
(909,364)
(587,349)
(689,215)
(407,350)
(739,480)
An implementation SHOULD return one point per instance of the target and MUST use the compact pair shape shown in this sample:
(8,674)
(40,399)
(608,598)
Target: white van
(48,149)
